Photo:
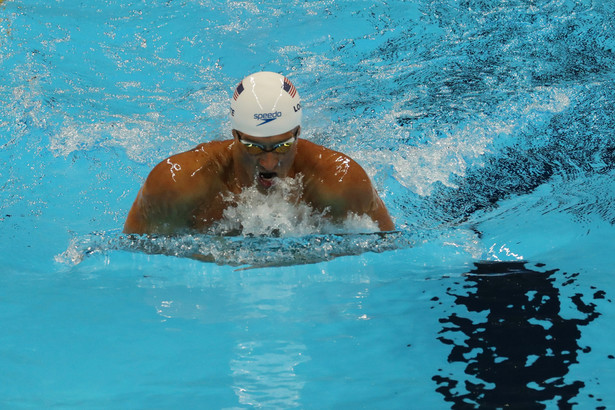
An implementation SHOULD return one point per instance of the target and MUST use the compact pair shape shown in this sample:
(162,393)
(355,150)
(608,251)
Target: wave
(247,252)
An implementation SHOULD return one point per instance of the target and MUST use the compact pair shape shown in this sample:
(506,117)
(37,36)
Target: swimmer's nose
(268,161)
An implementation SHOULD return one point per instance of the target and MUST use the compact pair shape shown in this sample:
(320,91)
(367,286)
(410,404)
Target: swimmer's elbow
(386,224)
(380,214)
(140,217)
(130,228)
(135,223)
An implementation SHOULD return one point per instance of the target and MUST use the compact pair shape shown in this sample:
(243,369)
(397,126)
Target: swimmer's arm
(354,193)
(362,199)
(136,222)
(153,213)
(165,203)
(380,214)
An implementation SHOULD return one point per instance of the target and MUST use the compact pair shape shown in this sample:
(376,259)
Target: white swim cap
(265,104)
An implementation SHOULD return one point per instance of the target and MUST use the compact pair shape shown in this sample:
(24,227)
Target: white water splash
(453,150)
(280,212)
(419,168)
(273,229)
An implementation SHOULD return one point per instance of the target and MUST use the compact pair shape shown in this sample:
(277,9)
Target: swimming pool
(486,126)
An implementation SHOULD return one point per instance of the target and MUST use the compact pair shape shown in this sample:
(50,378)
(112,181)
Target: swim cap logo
(267,117)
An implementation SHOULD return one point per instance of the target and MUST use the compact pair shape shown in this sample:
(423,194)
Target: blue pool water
(487,126)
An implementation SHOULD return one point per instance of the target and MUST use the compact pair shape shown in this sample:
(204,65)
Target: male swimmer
(190,191)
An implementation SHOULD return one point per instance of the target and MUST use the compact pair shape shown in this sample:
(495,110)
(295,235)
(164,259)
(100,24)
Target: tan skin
(187,191)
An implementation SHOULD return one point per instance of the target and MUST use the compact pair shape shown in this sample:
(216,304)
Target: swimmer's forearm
(385,223)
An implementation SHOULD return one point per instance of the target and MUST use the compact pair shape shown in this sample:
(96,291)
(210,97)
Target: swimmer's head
(265,104)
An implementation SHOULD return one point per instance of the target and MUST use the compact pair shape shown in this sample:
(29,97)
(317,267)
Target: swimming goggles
(283,147)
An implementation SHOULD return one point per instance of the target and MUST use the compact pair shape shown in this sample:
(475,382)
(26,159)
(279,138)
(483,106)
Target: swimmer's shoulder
(325,163)
(191,169)
(212,157)
(208,156)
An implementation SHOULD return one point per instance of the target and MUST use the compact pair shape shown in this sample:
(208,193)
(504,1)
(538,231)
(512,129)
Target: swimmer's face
(263,159)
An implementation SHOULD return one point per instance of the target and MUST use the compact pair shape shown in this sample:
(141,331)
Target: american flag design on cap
(289,87)
(238,91)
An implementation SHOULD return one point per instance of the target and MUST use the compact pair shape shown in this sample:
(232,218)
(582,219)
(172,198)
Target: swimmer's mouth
(266,178)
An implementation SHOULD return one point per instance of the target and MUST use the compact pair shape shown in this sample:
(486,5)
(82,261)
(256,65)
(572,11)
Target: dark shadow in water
(519,355)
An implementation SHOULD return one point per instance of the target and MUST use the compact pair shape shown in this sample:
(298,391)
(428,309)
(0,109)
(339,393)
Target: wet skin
(191,190)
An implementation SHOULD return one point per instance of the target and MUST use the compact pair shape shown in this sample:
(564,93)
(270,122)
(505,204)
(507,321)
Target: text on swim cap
(268,115)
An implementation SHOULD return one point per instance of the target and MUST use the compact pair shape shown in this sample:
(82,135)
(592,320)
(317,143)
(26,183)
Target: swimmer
(190,191)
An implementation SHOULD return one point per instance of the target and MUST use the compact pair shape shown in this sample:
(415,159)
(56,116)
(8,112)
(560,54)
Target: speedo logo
(267,117)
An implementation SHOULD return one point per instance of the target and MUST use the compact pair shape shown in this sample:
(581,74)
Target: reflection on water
(264,373)
(521,351)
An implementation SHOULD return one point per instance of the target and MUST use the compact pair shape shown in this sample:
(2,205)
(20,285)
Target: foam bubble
(451,151)
(548,99)
(280,212)
(419,168)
